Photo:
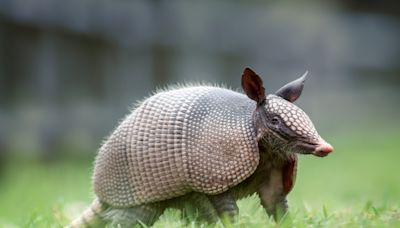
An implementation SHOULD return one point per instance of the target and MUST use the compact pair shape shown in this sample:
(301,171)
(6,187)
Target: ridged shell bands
(190,139)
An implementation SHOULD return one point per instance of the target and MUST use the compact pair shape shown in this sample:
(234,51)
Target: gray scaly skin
(203,148)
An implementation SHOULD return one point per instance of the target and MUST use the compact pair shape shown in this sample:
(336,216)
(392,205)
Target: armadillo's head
(281,123)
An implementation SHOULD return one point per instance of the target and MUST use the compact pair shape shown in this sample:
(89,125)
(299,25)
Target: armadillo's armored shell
(191,139)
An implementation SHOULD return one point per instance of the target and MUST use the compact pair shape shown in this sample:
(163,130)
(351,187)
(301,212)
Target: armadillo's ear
(253,86)
(292,91)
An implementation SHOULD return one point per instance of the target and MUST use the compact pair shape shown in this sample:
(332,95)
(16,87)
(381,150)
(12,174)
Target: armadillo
(206,146)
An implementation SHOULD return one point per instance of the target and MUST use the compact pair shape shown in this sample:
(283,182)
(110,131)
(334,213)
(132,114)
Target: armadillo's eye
(275,120)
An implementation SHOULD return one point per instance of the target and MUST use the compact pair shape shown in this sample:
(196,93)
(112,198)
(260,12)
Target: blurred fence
(70,69)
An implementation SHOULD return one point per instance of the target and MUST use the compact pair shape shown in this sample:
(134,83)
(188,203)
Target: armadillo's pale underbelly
(169,146)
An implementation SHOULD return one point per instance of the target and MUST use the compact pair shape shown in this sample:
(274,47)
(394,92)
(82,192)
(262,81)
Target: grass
(357,186)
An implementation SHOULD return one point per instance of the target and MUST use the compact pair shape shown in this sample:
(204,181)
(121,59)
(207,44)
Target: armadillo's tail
(91,217)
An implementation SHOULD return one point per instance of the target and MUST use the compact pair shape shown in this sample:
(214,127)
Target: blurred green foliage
(357,185)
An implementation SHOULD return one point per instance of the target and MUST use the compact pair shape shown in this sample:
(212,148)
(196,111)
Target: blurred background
(70,70)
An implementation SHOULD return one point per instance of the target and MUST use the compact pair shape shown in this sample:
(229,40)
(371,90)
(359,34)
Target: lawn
(356,186)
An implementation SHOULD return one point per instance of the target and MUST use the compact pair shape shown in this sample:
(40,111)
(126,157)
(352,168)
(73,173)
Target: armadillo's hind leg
(145,214)
(225,205)
(196,206)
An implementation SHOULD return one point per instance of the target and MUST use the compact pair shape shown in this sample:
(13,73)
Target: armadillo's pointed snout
(323,148)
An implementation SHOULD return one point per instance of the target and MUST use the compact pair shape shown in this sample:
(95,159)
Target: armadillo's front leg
(274,190)
(272,196)
(225,205)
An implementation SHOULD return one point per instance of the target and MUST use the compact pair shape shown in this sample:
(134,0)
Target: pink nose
(324,148)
